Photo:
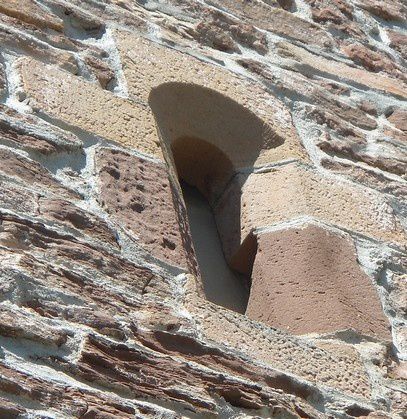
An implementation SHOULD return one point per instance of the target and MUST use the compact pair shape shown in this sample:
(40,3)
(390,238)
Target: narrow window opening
(222,285)
(203,172)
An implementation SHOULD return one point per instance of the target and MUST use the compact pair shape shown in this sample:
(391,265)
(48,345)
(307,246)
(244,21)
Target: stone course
(289,116)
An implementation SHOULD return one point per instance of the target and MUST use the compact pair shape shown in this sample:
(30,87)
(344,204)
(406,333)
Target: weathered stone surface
(366,176)
(342,71)
(27,171)
(327,104)
(225,33)
(72,254)
(371,60)
(241,119)
(293,191)
(3,84)
(138,195)
(355,146)
(98,326)
(270,346)
(171,379)
(31,12)
(399,119)
(398,41)
(75,102)
(17,198)
(33,134)
(277,20)
(77,19)
(66,213)
(79,401)
(394,10)
(315,276)
(18,42)
(16,323)
(101,70)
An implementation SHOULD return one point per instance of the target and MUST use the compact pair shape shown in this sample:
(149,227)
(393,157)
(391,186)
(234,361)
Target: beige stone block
(192,98)
(308,280)
(344,372)
(85,105)
(343,71)
(293,191)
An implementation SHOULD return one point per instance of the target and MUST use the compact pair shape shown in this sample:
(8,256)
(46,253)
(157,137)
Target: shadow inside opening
(222,285)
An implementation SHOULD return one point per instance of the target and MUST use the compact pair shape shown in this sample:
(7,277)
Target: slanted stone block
(192,98)
(308,280)
(293,191)
(137,193)
(30,12)
(344,372)
(342,71)
(76,102)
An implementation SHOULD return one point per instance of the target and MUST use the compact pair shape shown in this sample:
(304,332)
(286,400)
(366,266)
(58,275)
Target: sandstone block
(17,198)
(225,33)
(294,191)
(398,41)
(83,264)
(138,195)
(318,93)
(331,368)
(387,10)
(76,102)
(29,172)
(342,71)
(178,381)
(31,12)
(366,176)
(354,146)
(308,280)
(194,99)
(18,42)
(18,323)
(371,60)
(70,215)
(33,134)
(399,119)
(3,82)
(277,21)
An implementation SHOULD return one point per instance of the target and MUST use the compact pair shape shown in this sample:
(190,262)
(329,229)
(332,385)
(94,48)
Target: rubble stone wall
(290,117)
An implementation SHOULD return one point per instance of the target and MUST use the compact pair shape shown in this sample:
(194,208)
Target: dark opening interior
(222,285)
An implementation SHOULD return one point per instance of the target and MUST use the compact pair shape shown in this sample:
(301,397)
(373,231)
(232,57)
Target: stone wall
(290,117)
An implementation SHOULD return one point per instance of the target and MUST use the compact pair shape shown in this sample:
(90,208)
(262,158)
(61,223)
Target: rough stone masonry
(290,118)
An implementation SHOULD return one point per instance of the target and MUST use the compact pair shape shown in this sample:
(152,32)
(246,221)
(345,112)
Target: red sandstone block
(308,280)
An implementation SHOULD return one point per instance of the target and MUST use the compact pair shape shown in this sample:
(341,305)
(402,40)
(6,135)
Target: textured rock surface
(314,274)
(75,102)
(290,117)
(265,134)
(138,194)
(293,191)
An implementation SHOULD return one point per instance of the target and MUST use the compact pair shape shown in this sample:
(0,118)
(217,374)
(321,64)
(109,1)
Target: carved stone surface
(289,117)
(314,275)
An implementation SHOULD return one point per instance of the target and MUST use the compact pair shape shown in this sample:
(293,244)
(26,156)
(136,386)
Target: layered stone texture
(315,276)
(289,116)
